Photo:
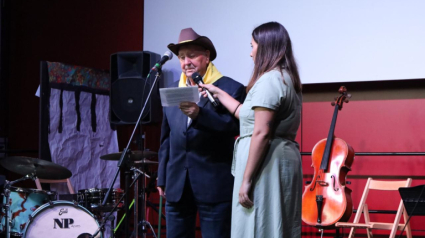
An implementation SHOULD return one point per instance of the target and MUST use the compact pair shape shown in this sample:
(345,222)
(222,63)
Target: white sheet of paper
(173,96)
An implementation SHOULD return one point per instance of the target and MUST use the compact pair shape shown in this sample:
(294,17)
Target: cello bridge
(322,183)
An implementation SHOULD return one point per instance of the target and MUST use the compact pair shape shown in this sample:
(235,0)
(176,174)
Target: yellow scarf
(210,76)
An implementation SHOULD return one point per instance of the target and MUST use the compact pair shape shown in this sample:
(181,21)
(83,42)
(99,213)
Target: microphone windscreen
(169,54)
(196,78)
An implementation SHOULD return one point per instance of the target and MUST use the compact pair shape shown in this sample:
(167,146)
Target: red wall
(386,125)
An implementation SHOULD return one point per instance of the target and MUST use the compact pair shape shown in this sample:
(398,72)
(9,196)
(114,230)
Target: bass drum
(23,202)
(61,219)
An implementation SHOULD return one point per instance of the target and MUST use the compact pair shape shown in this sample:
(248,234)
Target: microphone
(198,80)
(167,56)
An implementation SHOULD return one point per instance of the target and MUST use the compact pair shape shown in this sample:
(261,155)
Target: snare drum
(92,198)
(23,202)
(61,219)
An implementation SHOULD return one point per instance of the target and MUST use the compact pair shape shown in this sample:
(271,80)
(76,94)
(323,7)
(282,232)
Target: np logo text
(63,223)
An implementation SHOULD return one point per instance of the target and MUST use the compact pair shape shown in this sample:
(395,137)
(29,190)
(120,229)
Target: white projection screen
(333,41)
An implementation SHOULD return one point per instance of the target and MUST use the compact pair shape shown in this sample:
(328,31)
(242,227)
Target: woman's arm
(231,104)
(258,148)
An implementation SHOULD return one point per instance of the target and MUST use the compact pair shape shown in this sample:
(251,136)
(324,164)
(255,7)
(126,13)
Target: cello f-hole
(333,179)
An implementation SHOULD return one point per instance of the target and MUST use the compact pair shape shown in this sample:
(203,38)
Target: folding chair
(363,208)
(67,181)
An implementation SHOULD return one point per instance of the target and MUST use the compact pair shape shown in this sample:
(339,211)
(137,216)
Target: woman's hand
(244,193)
(215,91)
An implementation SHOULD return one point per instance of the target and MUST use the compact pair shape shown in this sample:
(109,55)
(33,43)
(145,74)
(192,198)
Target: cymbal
(136,155)
(41,168)
(145,161)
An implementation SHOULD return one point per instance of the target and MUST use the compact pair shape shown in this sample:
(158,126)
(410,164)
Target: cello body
(327,200)
(337,204)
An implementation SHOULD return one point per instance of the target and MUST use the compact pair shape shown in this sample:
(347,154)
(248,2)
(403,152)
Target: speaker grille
(130,88)
(130,96)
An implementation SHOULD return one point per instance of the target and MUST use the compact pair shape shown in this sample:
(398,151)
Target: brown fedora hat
(189,37)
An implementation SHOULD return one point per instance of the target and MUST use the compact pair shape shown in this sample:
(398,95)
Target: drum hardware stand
(111,218)
(6,192)
(136,177)
(107,217)
(152,187)
(143,222)
(135,202)
(126,198)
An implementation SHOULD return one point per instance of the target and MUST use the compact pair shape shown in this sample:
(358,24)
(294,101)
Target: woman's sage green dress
(277,188)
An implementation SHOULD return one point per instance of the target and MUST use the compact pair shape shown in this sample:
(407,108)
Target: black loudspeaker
(130,86)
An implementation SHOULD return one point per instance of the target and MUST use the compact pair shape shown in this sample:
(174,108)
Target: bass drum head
(61,219)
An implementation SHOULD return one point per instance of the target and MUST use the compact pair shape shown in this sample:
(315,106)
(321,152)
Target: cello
(327,200)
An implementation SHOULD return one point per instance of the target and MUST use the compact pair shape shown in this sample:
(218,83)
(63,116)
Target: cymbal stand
(143,222)
(6,193)
(102,225)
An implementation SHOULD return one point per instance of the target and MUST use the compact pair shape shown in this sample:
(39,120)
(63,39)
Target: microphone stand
(124,159)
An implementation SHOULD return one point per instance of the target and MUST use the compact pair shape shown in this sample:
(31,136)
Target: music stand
(414,202)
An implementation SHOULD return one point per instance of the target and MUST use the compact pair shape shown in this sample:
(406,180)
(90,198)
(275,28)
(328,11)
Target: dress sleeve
(269,91)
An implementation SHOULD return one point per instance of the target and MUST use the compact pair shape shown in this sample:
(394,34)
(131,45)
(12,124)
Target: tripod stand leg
(136,209)
(159,216)
(112,218)
(123,217)
(127,187)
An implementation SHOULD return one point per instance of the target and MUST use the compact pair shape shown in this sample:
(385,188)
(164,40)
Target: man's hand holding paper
(174,96)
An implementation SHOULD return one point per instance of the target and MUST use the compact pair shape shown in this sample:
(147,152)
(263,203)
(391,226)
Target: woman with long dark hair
(267,163)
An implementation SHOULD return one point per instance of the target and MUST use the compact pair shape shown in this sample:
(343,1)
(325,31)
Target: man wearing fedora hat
(196,150)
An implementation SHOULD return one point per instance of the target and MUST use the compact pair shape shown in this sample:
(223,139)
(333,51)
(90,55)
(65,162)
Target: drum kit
(35,213)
